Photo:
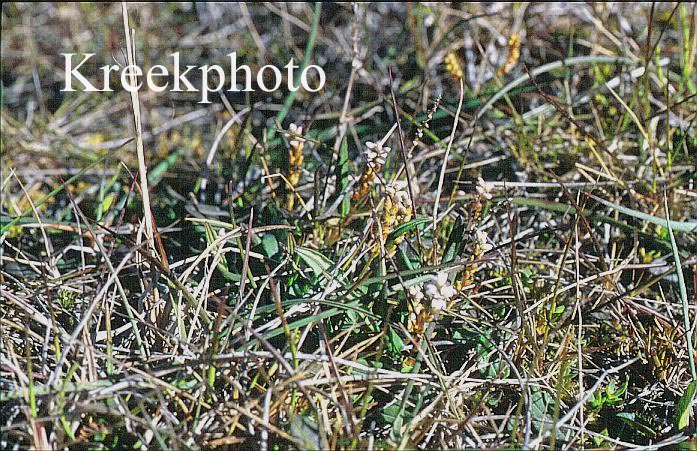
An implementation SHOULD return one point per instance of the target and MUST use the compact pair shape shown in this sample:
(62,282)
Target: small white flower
(441,279)
(416,292)
(402,197)
(439,304)
(432,291)
(447,292)
(403,185)
(376,153)
(484,189)
(294,134)
(438,292)
(294,129)
(483,240)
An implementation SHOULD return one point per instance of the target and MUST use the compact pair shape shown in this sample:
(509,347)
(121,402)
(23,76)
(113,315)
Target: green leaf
(404,259)
(394,342)
(184,384)
(596,401)
(229,275)
(683,295)
(108,200)
(270,245)
(156,173)
(636,423)
(343,178)
(540,402)
(455,243)
(389,413)
(314,259)
(614,393)
(404,228)
(684,407)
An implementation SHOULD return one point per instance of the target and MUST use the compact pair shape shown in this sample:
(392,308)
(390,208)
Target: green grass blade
(683,295)
(674,225)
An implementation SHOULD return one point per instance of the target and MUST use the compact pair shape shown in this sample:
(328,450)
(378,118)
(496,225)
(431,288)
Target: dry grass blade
(436,201)
(135,104)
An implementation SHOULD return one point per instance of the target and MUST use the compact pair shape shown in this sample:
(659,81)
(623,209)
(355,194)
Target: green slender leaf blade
(404,228)
(343,178)
(675,225)
(314,259)
(684,407)
(455,242)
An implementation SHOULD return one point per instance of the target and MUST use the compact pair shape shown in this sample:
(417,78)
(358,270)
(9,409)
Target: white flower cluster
(438,292)
(294,134)
(376,155)
(402,185)
(398,194)
(484,188)
(483,241)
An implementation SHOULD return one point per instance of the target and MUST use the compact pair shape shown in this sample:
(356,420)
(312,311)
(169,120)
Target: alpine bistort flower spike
(295,161)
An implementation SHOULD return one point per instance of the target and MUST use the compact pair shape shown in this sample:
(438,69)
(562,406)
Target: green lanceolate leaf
(404,228)
(455,242)
(343,178)
(314,259)
(270,245)
(684,407)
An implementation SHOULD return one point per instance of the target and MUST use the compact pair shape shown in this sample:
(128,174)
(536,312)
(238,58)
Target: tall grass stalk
(683,291)
(135,102)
